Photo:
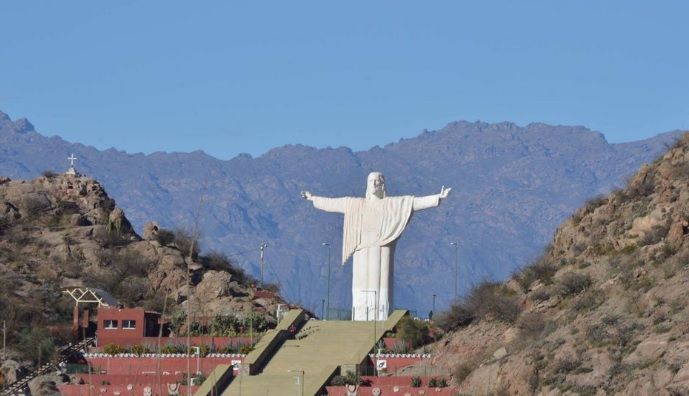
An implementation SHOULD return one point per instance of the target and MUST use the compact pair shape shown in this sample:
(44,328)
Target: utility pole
(262,248)
(456,266)
(327,296)
(4,339)
(433,310)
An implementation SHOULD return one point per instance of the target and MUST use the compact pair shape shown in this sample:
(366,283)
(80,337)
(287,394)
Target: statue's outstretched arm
(444,192)
(337,205)
(307,195)
(431,201)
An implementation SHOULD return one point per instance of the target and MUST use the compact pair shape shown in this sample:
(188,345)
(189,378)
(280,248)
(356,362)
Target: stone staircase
(303,365)
(21,386)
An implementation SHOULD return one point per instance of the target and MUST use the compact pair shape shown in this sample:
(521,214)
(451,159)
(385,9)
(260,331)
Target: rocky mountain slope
(59,231)
(603,311)
(511,187)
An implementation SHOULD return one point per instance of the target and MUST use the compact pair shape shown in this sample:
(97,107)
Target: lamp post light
(327,296)
(456,265)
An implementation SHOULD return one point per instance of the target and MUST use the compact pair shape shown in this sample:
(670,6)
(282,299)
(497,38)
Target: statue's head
(375,185)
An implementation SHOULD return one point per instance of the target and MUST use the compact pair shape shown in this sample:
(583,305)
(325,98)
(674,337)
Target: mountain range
(512,185)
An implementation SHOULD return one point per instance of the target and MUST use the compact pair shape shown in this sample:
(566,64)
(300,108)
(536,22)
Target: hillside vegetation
(59,231)
(603,311)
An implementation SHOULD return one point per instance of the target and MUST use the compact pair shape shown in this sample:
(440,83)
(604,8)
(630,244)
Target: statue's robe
(371,228)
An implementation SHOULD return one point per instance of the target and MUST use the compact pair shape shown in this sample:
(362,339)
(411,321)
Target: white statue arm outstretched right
(431,201)
(336,205)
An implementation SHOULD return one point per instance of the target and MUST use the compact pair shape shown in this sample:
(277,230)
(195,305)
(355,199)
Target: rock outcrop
(603,311)
(61,231)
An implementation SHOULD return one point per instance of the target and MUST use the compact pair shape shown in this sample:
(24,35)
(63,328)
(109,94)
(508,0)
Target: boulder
(8,370)
(45,385)
(151,230)
(117,222)
(214,284)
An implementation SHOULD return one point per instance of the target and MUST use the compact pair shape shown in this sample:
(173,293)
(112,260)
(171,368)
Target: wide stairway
(313,356)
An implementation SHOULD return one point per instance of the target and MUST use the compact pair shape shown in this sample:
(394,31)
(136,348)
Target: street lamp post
(456,266)
(198,360)
(262,249)
(327,296)
(433,310)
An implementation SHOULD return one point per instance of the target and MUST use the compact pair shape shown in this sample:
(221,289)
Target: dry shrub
(531,324)
(540,295)
(186,243)
(573,283)
(487,299)
(589,300)
(541,270)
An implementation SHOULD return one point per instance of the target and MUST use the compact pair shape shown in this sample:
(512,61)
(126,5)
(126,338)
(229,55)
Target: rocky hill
(603,311)
(60,231)
(512,186)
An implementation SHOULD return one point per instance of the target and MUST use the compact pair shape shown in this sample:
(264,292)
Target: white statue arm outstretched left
(336,205)
(431,201)
(307,195)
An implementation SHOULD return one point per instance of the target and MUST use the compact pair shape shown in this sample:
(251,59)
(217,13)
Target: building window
(129,324)
(109,324)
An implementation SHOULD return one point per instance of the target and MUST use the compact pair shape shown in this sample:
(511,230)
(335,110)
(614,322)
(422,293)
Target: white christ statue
(372,226)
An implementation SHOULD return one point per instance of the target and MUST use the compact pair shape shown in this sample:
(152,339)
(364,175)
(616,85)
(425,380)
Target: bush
(573,283)
(123,273)
(415,382)
(350,378)
(139,350)
(539,295)
(462,371)
(531,324)
(655,235)
(165,237)
(589,300)
(48,174)
(541,270)
(595,202)
(113,349)
(413,332)
(437,383)
(566,365)
(216,261)
(36,345)
(459,315)
(173,348)
(186,243)
(486,299)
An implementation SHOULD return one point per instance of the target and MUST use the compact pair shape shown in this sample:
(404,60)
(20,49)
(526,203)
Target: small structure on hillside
(72,171)
(127,326)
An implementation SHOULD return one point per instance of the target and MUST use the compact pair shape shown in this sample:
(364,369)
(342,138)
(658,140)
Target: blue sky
(230,77)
